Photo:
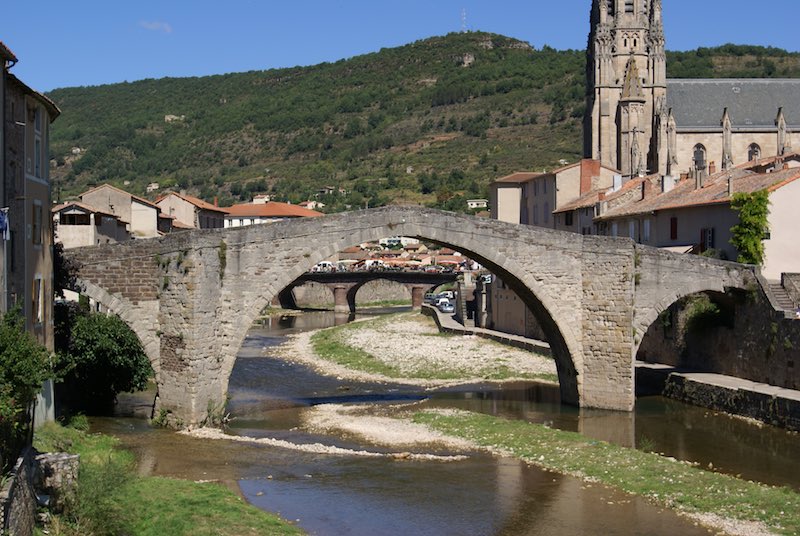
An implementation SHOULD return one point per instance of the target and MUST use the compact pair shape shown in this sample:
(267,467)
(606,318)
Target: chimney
(216,201)
(667,183)
(730,186)
(589,170)
(786,165)
(601,196)
(712,167)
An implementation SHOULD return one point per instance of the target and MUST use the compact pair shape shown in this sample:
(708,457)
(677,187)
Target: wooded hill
(432,122)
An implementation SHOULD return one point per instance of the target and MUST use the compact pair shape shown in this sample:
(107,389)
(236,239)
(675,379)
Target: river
(482,495)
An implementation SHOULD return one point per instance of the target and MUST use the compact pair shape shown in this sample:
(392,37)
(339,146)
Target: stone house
(26,263)
(531,198)
(696,215)
(139,214)
(191,212)
(77,224)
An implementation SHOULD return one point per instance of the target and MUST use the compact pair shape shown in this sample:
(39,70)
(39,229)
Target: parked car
(446,307)
(429,298)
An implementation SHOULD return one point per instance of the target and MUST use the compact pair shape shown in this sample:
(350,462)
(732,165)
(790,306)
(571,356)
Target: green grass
(112,500)
(327,345)
(662,480)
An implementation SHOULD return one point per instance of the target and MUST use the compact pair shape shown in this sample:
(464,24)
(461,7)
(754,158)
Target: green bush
(24,366)
(99,357)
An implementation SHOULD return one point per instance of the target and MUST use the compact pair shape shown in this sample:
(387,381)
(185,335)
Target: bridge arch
(666,278)
(143,325)
(464,236)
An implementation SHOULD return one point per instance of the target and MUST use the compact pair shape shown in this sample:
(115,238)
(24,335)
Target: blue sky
(90,42)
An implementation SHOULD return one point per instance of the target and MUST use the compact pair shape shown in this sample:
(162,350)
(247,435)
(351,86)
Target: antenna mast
(463,20)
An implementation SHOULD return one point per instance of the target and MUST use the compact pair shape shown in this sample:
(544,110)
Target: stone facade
(191,297)
(640,122)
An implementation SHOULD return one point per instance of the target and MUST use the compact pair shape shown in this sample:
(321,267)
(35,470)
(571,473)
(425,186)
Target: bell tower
(626,85)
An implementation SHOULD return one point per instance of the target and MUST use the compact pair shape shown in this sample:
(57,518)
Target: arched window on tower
(753,152)
(628,6)
(699,153)
(611,7)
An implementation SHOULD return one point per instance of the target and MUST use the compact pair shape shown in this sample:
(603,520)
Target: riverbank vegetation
(24,365)
(111,499)
(714,499)
(409,346)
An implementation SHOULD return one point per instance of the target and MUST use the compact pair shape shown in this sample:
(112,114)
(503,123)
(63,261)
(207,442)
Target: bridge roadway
(346,284)
(192,296)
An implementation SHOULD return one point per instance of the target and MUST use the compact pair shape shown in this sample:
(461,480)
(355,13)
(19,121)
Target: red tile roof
(199,203)
(714,190)
(271,209)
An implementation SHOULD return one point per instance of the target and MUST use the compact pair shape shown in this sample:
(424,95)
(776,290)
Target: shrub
(99,356)
(24,366)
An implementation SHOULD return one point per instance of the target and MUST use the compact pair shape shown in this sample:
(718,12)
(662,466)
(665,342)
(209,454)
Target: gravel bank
(412,344)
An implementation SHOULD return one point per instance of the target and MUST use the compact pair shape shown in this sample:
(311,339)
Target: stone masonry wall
(607,317)
(206,288)
(791,282)
(761,345)
(17,499)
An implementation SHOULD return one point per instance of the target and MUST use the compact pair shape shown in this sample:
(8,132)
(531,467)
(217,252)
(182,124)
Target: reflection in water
(334,495)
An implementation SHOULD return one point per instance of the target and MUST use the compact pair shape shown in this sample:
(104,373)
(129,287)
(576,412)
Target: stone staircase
(782,298)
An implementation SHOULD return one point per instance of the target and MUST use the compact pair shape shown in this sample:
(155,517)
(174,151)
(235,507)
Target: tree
(748,234)
(24,366)
(99,357)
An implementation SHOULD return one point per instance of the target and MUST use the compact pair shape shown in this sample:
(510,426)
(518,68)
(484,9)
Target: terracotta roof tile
(518,177)
(271,209)
(714,190)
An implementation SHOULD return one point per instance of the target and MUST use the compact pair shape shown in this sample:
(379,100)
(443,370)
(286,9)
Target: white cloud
(156,26)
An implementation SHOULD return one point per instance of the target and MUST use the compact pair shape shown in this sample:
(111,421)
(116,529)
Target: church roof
(752,103)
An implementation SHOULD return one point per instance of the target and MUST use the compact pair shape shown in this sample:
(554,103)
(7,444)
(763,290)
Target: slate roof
(752,103)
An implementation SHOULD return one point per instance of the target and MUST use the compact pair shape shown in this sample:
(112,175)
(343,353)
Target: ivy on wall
(748,235)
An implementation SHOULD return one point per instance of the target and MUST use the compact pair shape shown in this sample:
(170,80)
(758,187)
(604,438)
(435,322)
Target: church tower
(626,85)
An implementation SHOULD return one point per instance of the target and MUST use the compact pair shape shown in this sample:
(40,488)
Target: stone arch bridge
(191,296)
(345,285)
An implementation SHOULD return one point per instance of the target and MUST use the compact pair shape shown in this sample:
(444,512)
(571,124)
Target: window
(706,239)
(753,152)
(699,153)
(546,212)
(37,304)
(646,231)
(37,157)
(568,219)
(673,228)
(632,230)
(544,186)
(614,229)
(36,222)
(535,215)
(535,188)
(628,6)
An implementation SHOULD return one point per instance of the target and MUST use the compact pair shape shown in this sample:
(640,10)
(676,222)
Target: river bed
(482,494)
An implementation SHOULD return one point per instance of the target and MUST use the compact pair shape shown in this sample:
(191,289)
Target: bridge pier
(341,300)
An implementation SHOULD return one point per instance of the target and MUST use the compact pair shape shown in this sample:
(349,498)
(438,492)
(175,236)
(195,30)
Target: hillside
(431,122)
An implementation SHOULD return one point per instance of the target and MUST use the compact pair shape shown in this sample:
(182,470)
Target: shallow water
(483,495)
